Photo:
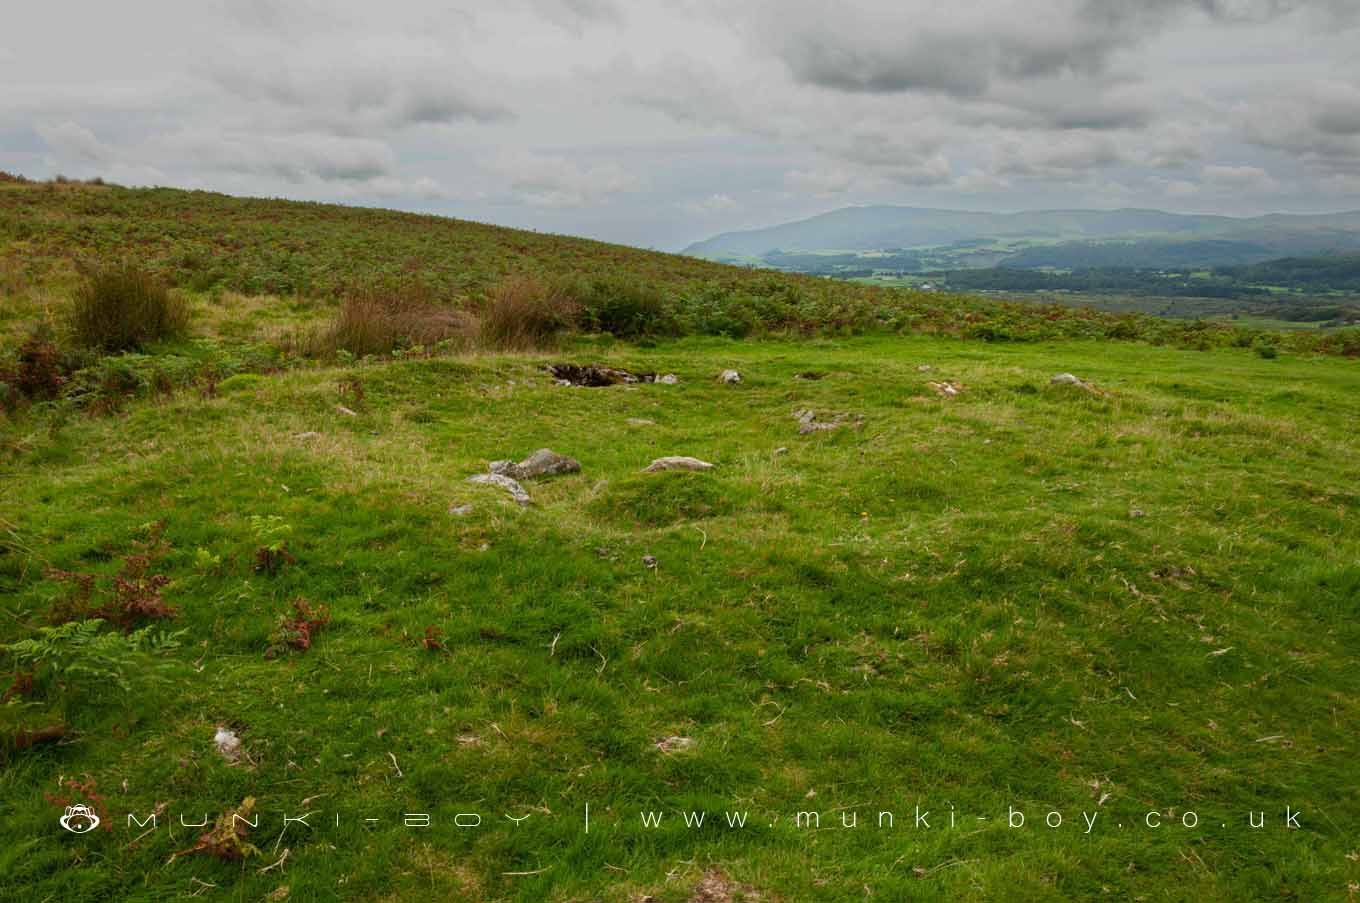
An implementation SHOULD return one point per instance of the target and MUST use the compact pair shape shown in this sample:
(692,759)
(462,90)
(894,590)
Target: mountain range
(947,239)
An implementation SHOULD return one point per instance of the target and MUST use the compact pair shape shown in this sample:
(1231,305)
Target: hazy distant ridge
(882,227)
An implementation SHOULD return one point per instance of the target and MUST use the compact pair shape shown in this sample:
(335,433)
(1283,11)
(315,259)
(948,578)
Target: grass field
(1136,597)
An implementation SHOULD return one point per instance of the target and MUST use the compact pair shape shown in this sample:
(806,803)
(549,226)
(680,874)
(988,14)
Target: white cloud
(72,141)
(1239,177)
(549,180)
(819,183)
(714,203)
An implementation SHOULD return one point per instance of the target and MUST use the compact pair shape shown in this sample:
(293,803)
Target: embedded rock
(676,462)
(508,484)
(543,463)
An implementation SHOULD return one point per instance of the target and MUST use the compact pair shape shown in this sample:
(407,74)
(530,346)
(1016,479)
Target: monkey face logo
(79,819)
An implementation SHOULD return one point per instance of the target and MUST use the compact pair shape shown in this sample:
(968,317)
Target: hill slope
(921,578)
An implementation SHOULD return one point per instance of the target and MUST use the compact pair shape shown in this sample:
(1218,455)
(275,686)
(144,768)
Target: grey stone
(729,376)
(543,463)
(507,483)
(676,462)
(668,379)
(810,421)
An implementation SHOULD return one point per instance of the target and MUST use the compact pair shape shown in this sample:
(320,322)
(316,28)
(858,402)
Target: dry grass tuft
(525,312)
(123,307)
(380,321)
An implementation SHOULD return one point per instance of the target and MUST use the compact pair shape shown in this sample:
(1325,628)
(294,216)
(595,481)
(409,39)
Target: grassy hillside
(977,592)
(256,269)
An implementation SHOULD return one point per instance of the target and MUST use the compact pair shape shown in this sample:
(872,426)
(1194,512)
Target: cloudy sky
(660,122)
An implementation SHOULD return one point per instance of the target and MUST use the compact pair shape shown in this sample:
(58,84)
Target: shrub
(294,631)
(625,308)
(39,374)
(525,312)
(132,597)
(123,307)
(382,319)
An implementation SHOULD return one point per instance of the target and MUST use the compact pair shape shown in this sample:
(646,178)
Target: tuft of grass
(381,320)
(660,500)
(522,313)
(124,307)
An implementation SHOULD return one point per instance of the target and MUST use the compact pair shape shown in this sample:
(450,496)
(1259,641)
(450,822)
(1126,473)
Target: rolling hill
(1045,238)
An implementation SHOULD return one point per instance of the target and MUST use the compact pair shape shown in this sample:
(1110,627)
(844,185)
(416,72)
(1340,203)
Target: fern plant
(81,655)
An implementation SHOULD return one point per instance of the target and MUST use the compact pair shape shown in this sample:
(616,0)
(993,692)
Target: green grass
(954,604)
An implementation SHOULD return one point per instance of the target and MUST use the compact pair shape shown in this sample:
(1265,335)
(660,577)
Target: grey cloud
(552,180)
(74,141)
(574,15)
(1319,125)
(358,98)
(294,158)
(901,47)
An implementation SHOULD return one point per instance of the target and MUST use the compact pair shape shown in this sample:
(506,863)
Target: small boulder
(341,409)
(729,376)
(1067,379)
(948,389)
(508,484)
(543,463)
(307,436)
(810,421)
(676,462)
(668,379)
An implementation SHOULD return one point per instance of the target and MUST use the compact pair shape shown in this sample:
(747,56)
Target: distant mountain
(1045,238)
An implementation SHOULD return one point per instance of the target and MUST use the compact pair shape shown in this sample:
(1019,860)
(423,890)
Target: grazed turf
(1030,596)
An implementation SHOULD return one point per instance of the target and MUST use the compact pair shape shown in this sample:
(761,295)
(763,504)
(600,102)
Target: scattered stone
(781,450)
(948,389)
(346,411)
(307,436)
(595,376)
(676,462)
(674,744)
(923,368)
(1137,512)
(508,484)
(670,379)
(729,376)
(543,463)
(810,421)
(649,562)
(1067,379)
(460,510)
(228,745)
(640,421)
